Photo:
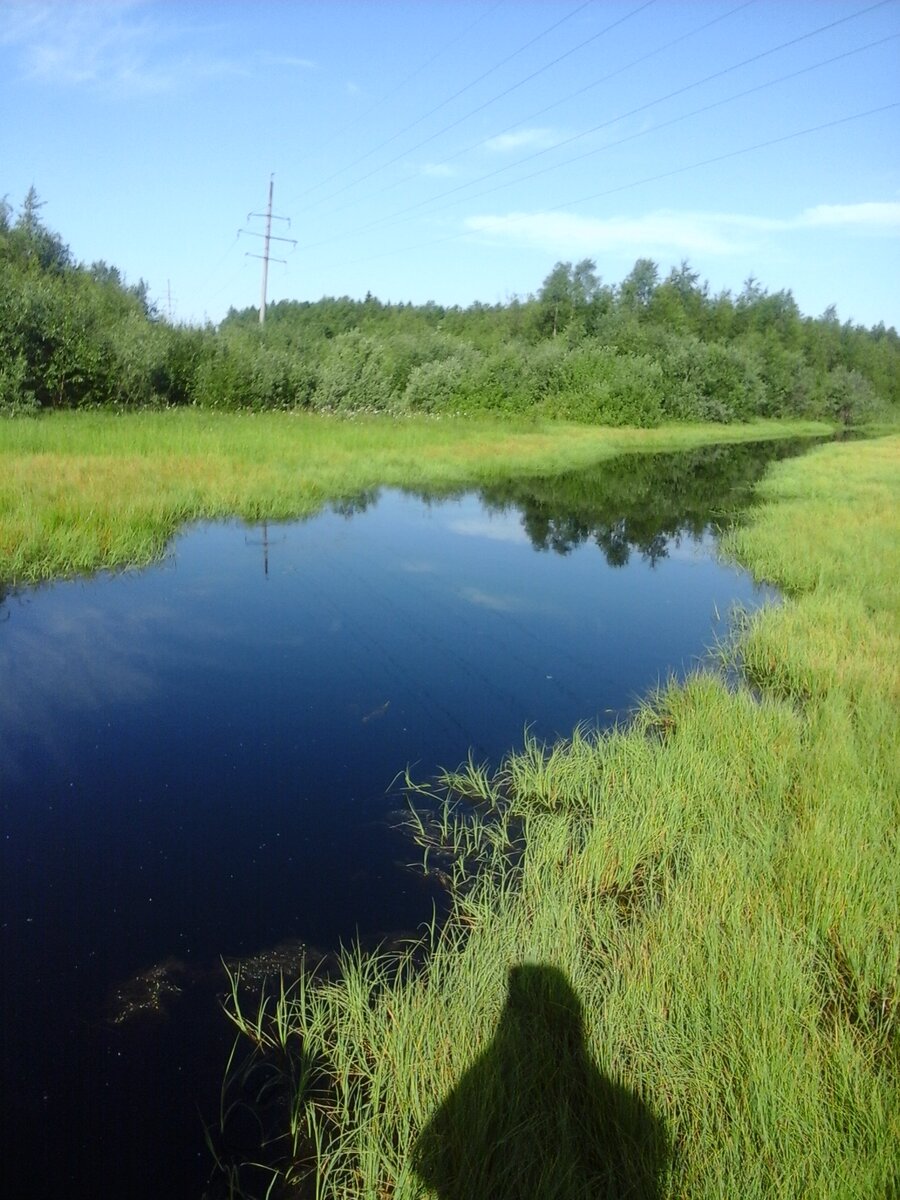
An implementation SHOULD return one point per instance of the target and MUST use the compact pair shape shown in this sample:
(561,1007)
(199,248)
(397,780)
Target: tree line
(646,350)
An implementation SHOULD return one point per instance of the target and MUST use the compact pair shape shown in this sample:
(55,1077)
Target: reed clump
(708,896)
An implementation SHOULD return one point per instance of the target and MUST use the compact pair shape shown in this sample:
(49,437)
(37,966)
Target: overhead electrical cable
(670,95)
(449,100)
(666,124)
(705,162)
(632,112)
(487,103)
(619,117)
(468,149)
(398,87)
(395,216)
(214,269)
(635,62)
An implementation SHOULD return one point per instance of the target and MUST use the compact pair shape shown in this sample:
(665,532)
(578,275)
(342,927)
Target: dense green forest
(640,352)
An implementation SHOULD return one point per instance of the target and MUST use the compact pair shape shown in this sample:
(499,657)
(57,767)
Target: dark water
(196,760)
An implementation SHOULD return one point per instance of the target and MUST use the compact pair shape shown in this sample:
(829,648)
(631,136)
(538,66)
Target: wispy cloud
(677,233)
(84,44)
(418,567)
(496,529)
(566,233)
(290,60)
(20,21)
(874,216)
(492,600)
(438,170)
(523,139)
(116,46)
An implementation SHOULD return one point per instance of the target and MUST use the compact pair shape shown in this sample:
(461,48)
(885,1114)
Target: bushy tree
(637,288)
(568,292)
(645,351)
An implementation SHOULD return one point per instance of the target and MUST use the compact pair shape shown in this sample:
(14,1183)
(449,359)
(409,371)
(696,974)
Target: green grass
(82,491)
(707,905)
(706,902)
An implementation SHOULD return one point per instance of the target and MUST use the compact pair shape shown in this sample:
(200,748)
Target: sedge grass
(89,490)
(717,883)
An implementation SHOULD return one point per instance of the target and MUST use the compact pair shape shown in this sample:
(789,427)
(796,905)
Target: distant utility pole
(267,238)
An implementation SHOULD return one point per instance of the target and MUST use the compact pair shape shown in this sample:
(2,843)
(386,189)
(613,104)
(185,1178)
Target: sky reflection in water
(196,759)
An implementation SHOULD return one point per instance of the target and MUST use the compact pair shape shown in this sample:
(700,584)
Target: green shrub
(354,375)
(239,373)
(710,381)
(445,385)
(605,388)
(404,352)
(16,397)
(847,396)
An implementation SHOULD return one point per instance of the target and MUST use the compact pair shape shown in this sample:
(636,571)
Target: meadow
(89,490)
(672,959)
(671,967)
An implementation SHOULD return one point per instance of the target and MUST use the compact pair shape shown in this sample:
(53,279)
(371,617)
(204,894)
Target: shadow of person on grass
(534,1118)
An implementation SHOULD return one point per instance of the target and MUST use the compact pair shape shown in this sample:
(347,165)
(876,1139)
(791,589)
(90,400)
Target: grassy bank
(79,491)
(672,968)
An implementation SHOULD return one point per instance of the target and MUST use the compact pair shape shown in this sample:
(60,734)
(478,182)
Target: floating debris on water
(287,959)
(148,993)
(376,713)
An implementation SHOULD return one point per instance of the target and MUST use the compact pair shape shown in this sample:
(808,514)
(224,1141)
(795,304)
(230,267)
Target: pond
(200,760)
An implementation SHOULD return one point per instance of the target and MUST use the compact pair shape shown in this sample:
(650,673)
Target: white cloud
(76,44)
(566,233)
(438,170)
(492,601)
(20,21)
(114,45)
(877,216)
(523,139)
(418,567)
(667,232)
(290,60)
(496,529)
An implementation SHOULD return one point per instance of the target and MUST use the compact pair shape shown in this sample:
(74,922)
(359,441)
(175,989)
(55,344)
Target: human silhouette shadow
(535,1119)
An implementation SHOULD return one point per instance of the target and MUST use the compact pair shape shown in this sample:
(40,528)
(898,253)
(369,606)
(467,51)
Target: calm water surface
(197,760)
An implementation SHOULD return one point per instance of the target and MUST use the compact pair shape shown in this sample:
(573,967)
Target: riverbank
(707,906)
(90,490)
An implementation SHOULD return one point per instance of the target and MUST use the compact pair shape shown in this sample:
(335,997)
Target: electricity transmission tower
(267,237)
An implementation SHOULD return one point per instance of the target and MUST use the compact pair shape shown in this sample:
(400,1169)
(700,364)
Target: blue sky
(454,151)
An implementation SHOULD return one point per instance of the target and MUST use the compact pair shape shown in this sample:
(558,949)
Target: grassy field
(80,491)
(673,964)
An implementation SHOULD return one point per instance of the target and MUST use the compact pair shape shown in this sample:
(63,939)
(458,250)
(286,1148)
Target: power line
(230,282)
(635,62)
(443,104)
(596,83)
(609,145)
(649,104)
(486,104)
(650,178)
(706,162)
(746,3)
(672,121)
(402,84)
(218,264)
(595,129)
(268,237)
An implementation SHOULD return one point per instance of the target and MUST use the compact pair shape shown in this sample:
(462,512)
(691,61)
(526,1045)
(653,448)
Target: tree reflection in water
(639,502)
